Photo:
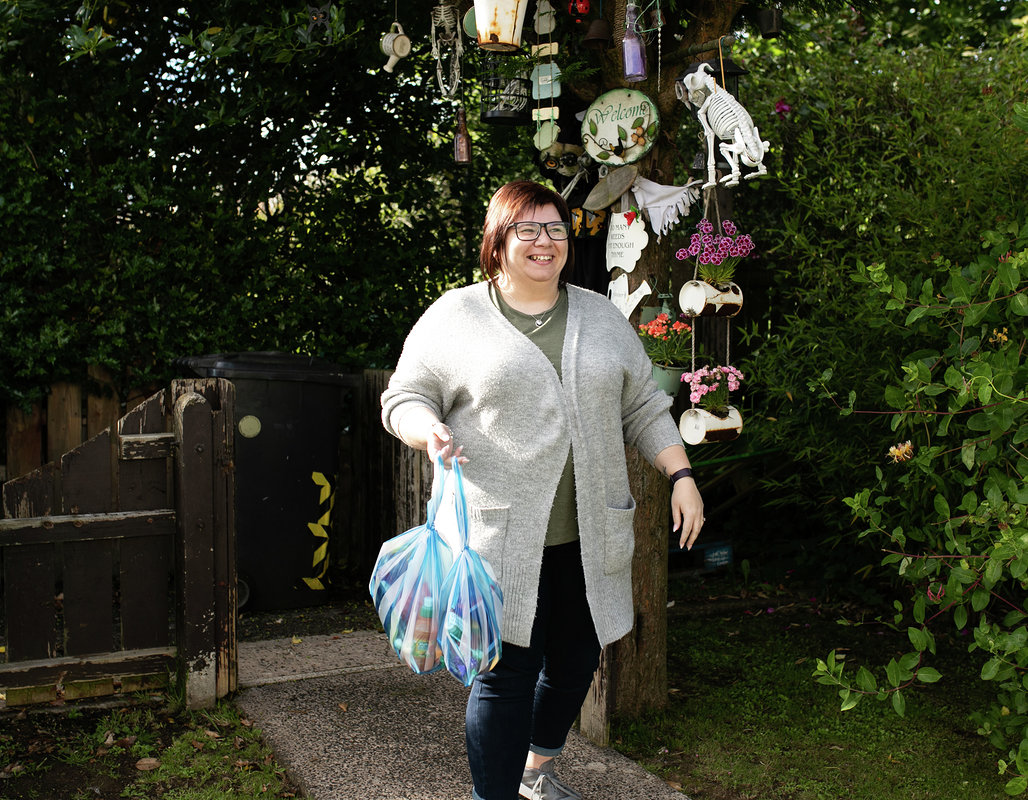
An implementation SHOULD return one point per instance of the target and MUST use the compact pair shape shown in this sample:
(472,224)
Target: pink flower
(682,254)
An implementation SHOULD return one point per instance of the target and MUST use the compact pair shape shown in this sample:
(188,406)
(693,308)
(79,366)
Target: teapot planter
(701,299)
(700,426)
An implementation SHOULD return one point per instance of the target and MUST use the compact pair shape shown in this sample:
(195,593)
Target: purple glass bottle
(634,48)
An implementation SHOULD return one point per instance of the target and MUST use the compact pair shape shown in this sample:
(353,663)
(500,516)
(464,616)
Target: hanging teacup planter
(699,426)
(700,299)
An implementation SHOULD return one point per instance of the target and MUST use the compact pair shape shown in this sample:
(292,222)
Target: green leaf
(915,314)
(941,506)
(1019,304)
(960,617)
(1008,276)
(894,673)
(1017,785)
(990,668)
(928,675)
(866,680)
(918,638)
(899,703)
(980,599)
(967,453)
(850,700)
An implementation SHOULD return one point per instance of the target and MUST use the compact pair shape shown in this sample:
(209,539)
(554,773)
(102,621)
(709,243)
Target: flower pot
(648,314)
(699,426)
(700,299)
(668,378)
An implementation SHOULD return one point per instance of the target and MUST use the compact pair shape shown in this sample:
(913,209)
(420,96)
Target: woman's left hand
(687,511)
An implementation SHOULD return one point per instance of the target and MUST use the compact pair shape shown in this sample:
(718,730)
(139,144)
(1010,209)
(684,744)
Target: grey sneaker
(543,784)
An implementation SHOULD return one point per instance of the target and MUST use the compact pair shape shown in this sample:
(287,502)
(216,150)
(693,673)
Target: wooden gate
(118,560)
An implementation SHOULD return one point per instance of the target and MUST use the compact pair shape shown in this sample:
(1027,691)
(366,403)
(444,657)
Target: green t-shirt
(546,331)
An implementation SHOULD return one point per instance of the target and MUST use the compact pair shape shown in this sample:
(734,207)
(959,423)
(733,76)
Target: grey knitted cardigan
(504,403)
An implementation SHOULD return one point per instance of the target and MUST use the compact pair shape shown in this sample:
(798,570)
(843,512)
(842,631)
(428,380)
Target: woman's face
(538,261)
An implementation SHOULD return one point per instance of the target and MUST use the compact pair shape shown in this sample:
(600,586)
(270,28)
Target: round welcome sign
(620,127)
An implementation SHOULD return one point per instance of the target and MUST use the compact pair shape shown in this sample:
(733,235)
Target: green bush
(174,181)
(877,156)
(950,511)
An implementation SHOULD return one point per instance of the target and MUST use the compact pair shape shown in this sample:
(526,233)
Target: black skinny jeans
(531,698)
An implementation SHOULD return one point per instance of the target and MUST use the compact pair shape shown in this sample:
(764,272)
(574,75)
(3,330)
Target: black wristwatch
(684,472)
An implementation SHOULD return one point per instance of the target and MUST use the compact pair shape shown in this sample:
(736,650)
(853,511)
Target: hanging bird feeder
(506,94)
(499,24)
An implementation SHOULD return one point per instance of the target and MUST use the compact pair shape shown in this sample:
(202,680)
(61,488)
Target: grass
(745,718)
(138,752)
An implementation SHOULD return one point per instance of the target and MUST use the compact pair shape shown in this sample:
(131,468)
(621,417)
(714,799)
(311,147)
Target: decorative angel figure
(721,115)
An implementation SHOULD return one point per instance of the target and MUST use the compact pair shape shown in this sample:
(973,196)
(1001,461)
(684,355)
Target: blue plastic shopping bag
(407,587)
(470,636)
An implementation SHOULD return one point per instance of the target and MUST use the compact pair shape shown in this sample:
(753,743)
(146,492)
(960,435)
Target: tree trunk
(632,676)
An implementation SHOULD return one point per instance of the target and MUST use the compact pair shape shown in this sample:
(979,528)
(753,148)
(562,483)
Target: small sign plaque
(620,127)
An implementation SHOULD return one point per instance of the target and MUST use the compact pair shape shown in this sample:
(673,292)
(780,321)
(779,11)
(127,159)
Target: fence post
(194,507)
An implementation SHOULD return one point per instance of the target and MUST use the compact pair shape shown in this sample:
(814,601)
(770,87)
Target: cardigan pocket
(487,532)
(618,539)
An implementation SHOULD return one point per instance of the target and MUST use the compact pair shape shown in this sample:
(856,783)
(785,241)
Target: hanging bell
(597,37)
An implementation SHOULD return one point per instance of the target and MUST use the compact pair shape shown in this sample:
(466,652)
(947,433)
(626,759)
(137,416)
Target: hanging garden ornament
(505,97)
(462,140)
(664,204)
(620,127)
(626,239)
(319,18)
(545,18)
(617,293)
(633,47)
(395,45)
(578,9)
(724,118)
(447,48)
(499,24)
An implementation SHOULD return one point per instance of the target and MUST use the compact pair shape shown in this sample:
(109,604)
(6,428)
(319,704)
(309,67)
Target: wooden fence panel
(29,597)
(103,407)
(144,483)
(63,419)
(86,478)
(87,594)
(33,495)
(144,595)
(25,447)
(88,597)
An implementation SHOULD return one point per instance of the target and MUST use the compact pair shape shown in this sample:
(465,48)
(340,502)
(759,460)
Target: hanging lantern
(499,24)
(505,96)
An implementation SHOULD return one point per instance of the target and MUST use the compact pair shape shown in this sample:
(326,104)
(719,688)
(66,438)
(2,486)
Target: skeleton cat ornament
(722,116)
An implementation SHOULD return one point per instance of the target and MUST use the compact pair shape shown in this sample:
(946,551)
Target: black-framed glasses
(529,231)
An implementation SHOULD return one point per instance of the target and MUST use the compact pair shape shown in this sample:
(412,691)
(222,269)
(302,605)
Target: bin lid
(266,365)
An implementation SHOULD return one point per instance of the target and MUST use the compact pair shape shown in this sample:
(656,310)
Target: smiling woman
(536,386)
